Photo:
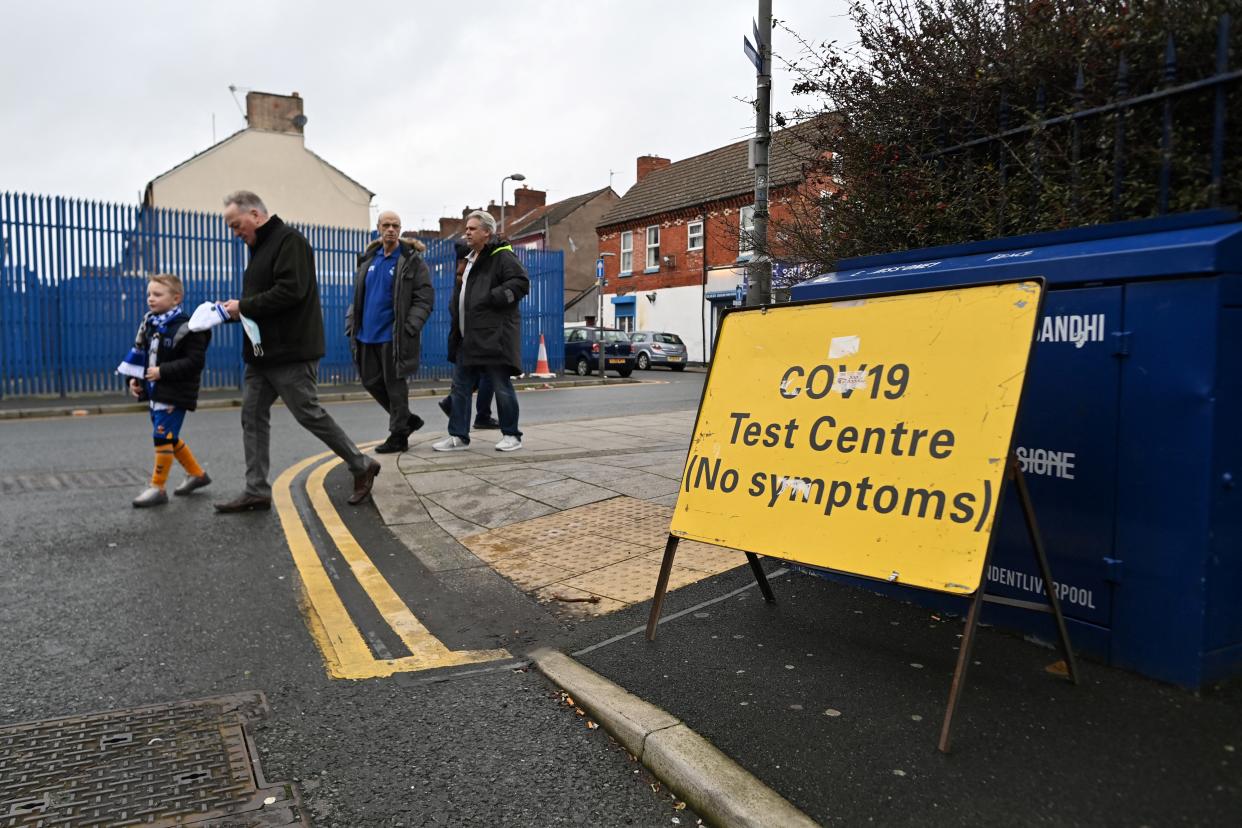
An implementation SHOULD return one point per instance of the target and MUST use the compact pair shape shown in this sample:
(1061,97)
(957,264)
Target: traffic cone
(541,365)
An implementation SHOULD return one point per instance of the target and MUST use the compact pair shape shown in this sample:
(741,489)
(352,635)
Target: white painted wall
(290,179)
(678,310)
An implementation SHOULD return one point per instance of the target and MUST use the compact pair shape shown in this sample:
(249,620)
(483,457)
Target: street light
(515,177)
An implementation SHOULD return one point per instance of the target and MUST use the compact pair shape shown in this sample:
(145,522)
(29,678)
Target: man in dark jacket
(393,297)
(485,337)
(282,348)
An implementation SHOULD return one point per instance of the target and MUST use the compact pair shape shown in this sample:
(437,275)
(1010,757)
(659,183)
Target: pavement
(824,706)
(119,402)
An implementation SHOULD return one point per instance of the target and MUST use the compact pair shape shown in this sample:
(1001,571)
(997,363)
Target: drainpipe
(703,297)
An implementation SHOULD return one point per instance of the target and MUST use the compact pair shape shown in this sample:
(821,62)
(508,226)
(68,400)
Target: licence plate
(616,361)
(674,359)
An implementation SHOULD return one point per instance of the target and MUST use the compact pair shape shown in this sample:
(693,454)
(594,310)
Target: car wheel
(624,372)
(583,367)
(681,367)
(643,362)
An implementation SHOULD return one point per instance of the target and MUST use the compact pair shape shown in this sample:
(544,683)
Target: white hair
(486,219)
(245,201)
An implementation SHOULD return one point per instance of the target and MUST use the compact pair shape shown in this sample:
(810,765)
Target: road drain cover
(191,763)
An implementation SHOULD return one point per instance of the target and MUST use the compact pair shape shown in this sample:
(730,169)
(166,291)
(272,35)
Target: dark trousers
(378,371)
(483,400)
(296,384)
(464,379)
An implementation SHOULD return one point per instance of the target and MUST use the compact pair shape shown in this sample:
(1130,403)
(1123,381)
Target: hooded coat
(496,284)
(181,356)
(412,300)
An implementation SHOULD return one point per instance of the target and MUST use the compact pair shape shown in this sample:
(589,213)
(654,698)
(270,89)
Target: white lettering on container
(1059,464)
(1079,596)
(1076,328)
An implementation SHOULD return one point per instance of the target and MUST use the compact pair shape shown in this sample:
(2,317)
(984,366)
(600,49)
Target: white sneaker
(509,443)
(450,443)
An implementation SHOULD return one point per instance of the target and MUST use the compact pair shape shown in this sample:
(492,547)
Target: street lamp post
(599,320)
(515,177)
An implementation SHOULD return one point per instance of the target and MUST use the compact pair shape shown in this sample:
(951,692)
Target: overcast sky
(428,104)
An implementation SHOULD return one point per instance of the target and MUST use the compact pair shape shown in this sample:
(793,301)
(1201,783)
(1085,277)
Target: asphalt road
(104,607)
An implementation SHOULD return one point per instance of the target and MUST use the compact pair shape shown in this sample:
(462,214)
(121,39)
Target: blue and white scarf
(145,352)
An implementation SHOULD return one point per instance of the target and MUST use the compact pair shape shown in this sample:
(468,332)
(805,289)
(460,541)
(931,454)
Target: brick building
(676,246)
(567,225)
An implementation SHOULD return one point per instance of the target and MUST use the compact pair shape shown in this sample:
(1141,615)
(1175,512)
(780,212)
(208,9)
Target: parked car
(582,350)
(658,348)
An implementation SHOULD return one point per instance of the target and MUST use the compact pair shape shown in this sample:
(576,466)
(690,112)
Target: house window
(694,235)
(745,232)
(627,253)
(653,247)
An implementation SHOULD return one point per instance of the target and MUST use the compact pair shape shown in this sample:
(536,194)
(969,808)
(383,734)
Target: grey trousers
(296,384)
(378,371)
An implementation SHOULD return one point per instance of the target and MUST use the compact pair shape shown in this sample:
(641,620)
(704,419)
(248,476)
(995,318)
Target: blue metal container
(1130,434)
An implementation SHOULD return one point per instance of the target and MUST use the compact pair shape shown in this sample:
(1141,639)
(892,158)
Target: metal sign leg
(1045,572)
(657,602)
(761,577)
(963,662)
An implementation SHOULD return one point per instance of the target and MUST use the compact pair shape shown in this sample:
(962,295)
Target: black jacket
(181,356)
(412,300)
(496,284)
(280,293)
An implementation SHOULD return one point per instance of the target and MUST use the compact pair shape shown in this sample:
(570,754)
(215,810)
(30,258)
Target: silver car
(658,348)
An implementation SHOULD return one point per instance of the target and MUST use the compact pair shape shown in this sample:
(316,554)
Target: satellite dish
(299,121)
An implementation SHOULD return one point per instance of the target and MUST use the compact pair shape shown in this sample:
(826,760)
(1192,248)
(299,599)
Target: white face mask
(252,333)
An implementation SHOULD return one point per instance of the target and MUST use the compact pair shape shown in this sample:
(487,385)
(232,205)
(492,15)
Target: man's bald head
(389,227)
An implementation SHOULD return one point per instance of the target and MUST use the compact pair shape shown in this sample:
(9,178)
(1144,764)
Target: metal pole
(502,205)
(760,291)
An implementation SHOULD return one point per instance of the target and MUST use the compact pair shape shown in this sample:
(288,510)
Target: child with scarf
(164,367)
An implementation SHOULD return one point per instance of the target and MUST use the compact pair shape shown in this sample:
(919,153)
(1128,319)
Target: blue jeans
(464,379)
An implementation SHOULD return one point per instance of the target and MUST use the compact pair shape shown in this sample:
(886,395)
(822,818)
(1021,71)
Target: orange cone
(541,365)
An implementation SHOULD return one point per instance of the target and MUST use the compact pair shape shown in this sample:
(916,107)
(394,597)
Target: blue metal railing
(73,288)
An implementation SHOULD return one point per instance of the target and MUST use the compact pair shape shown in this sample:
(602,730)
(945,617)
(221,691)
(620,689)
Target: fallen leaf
(1057,668)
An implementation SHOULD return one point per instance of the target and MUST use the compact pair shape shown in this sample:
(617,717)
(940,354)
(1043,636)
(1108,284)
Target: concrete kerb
(68,408)
(709,781)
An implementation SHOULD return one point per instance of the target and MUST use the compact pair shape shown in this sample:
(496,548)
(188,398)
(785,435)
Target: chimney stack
(649,164)
(275,113)
(526,199)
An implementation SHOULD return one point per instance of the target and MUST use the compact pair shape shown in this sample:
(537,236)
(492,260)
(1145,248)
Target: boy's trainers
(509,443)
(151,496)
(450,443)
(191,483)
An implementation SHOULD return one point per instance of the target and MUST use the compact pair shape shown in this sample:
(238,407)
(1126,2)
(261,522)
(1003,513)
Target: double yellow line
(345,651)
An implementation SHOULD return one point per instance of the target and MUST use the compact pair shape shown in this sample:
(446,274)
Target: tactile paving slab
(598,558)
(189,763)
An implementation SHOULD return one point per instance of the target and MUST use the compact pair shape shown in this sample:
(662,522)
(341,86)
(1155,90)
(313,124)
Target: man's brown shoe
(363,483)
(245,503)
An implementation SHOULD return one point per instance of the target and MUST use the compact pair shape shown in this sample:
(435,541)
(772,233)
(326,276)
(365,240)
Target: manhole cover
(71,480)
(191,763)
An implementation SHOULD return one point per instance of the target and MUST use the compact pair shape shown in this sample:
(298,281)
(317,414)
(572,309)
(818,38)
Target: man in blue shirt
(393,297)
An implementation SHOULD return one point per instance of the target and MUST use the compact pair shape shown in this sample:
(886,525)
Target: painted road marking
(345,651)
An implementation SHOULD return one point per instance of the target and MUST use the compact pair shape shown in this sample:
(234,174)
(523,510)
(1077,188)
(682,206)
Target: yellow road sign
(868,436)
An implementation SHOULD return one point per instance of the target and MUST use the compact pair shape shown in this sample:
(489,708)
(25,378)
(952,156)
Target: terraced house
(677,244)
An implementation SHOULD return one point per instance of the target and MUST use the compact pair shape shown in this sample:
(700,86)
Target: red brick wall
(722,243)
